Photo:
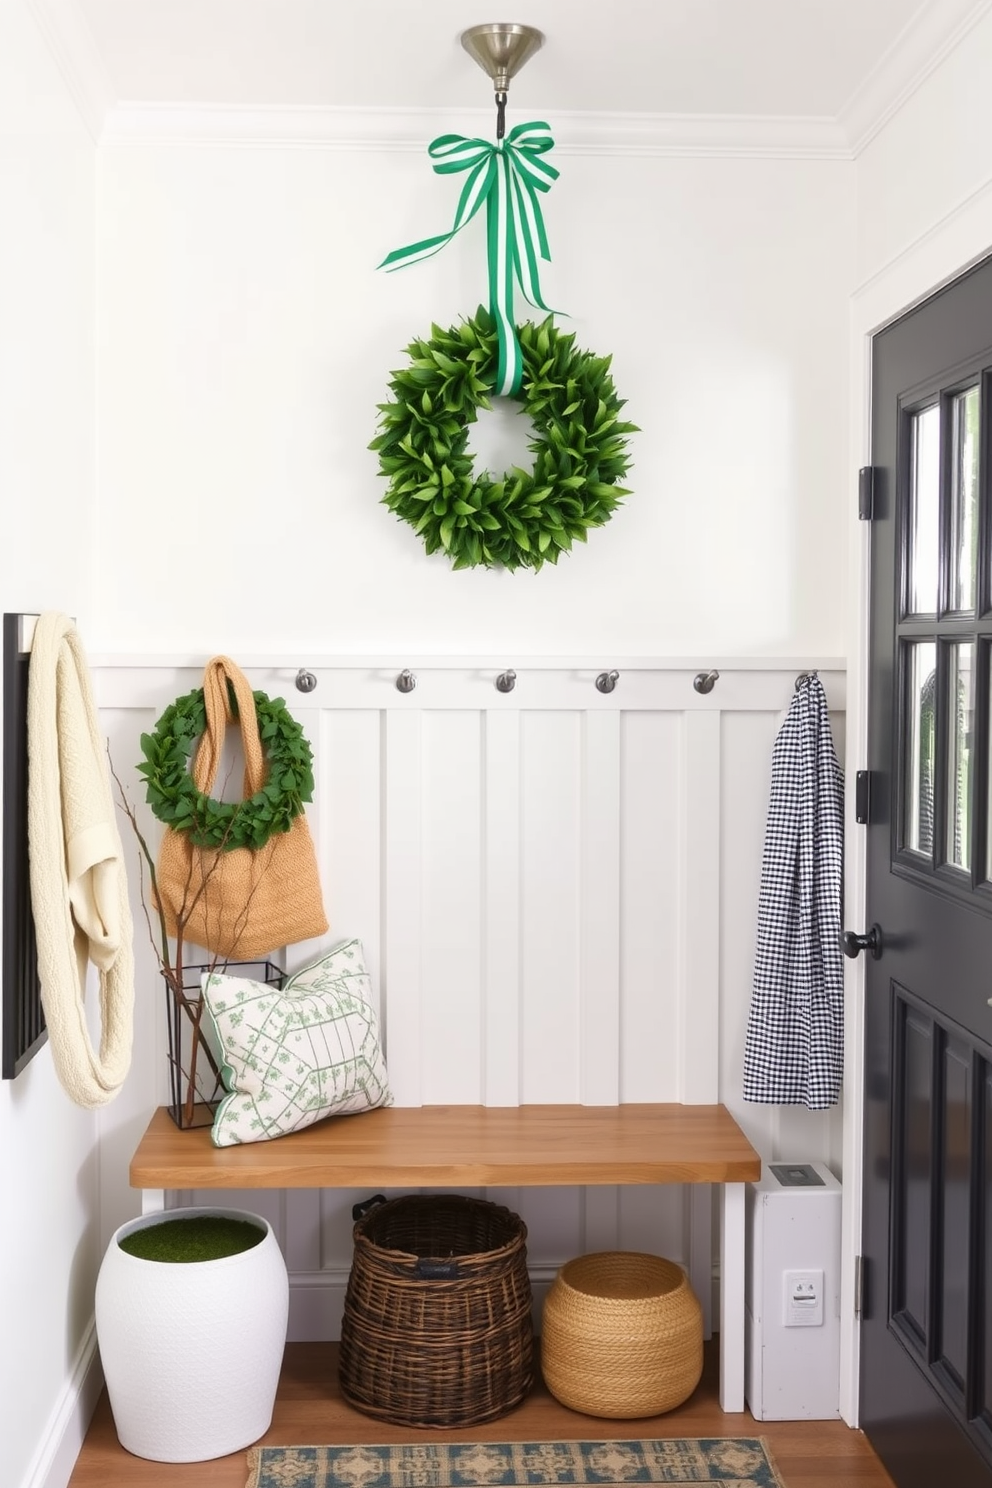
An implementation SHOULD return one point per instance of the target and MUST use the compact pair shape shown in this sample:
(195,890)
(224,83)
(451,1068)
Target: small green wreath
(175,800)
(521,520)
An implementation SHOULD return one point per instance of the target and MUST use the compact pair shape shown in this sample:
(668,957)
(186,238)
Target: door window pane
(964,500)
(919,738)
(961,683)
(924,508)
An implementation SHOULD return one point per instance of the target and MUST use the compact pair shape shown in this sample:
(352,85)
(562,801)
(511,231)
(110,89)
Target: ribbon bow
(506,176)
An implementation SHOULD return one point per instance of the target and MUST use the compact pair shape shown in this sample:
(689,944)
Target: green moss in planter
(206,1238)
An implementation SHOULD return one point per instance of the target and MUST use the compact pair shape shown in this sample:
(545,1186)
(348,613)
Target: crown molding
(932,34)
(387,129)
(75,52)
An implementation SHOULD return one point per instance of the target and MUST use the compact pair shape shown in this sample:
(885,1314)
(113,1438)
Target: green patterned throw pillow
(294,1056)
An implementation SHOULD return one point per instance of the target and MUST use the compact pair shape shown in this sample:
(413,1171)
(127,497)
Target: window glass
(924,509)
(961,712)
(964,500)
(919,739)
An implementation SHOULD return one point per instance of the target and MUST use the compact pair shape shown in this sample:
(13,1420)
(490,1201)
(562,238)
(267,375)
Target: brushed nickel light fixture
(501,48)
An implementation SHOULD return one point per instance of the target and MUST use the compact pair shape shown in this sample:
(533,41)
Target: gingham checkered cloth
(794,1050)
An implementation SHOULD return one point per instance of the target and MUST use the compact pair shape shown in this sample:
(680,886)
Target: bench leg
(701,1249)
(152,1200)
(732,1297)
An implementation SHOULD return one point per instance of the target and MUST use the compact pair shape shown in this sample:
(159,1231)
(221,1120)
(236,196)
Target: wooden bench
(491,1146)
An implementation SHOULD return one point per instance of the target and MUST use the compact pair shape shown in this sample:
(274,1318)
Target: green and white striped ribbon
(506,176)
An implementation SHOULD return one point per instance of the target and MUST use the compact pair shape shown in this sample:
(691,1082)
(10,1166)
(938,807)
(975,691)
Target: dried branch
(172,964)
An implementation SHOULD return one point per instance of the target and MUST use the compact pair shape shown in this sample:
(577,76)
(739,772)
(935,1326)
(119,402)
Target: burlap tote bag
(241,902)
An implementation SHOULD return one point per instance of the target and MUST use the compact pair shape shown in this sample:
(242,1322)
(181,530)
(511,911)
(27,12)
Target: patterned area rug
(736,1462)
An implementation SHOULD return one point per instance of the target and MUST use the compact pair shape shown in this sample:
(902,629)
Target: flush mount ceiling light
(501,48)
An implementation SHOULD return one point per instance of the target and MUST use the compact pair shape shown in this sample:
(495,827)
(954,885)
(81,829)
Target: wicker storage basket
(437,1327)
(621,1335)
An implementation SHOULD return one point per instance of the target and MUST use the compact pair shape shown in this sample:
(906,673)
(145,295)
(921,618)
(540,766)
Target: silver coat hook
(506,681)
(606,681)
(704,681)
(305,681)
(406,681)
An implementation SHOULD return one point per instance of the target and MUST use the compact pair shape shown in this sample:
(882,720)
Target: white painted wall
(929,165)
(245,339)
(924,213)
(49,1238)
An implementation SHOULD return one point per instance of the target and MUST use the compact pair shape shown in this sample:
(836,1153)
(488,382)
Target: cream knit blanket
(78,880)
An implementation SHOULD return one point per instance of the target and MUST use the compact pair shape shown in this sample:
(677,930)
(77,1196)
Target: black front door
(926,1351)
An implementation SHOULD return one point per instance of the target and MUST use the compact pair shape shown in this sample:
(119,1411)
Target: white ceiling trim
(932,35)
(71,44)
(413,129)
(935,30)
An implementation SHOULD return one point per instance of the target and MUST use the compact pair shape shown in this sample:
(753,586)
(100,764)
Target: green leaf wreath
(522,519)
(175,800)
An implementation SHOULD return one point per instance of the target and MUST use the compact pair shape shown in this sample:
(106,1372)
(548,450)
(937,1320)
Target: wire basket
(196,1086)
(621,1335)
(437,1327)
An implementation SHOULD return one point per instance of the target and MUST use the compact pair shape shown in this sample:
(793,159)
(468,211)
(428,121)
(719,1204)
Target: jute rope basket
(621,1335)
(437,1327)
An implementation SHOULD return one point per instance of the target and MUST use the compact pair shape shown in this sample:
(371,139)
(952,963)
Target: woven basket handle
(219,672)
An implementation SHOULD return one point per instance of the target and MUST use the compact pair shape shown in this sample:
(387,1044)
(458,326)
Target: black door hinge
(862,797)
(859,1286)
(866,493)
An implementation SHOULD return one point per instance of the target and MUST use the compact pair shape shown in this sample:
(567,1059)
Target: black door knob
(854,943)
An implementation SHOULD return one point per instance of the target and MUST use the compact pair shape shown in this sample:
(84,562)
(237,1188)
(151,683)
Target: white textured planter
(192,1352)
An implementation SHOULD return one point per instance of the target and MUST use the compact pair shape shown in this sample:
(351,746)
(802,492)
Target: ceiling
(759,58)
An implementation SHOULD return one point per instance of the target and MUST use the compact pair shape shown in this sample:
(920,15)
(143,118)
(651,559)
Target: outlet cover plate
(802,1299)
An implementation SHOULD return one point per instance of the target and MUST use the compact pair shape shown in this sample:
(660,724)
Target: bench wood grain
(499,1146)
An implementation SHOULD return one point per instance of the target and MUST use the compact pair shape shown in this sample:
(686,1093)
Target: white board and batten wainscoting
(556,888)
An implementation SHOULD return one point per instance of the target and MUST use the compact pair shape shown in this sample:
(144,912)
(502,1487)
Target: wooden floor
(309,1411)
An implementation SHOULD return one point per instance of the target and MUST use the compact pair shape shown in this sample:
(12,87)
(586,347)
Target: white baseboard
(67,1425)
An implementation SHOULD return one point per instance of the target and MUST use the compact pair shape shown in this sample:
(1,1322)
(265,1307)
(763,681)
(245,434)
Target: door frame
(946,250)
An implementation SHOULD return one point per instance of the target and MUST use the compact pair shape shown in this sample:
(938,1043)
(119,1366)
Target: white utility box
(792,1321)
